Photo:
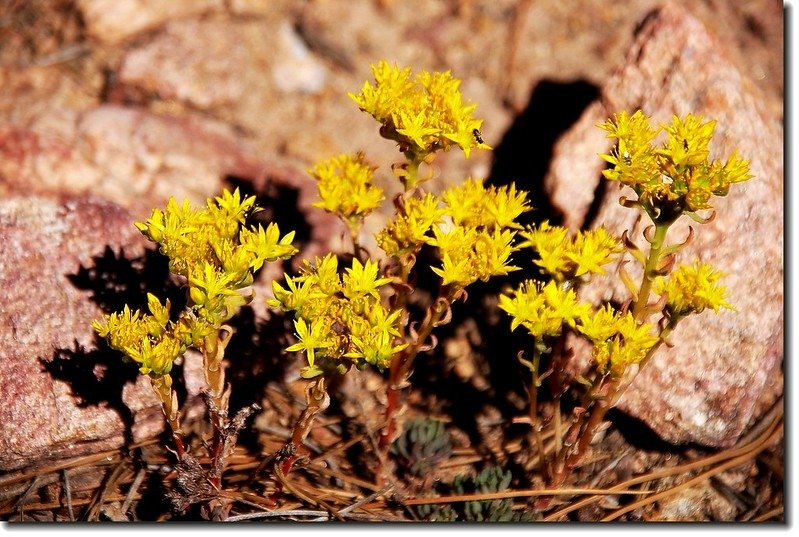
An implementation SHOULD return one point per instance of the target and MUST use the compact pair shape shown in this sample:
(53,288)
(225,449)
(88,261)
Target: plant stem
(402,362)
(213,354)
(650,268)
(581,432)
(317,400)
(534,385)
(411,178)
(355,231)
(169,404)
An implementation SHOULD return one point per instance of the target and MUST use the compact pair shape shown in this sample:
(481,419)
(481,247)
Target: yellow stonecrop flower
(619,341)
(407,231)
(340,320)
(676,177)
(692,289)
(470,254)
(345,186)
(144,338)
(424,114)
(543,309)
(565,257)
(362,280)
(191,236)
(217,253)
(592,249)
(471,204)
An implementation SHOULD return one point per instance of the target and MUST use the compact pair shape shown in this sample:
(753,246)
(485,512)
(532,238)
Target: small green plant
(215,253)
(490,480)
(669,181)
(422,446)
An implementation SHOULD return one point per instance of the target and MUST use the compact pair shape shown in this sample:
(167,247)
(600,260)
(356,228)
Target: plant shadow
(98,375)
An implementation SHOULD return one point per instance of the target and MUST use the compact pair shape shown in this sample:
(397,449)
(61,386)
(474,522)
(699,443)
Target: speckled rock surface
(707,387)
(62,397)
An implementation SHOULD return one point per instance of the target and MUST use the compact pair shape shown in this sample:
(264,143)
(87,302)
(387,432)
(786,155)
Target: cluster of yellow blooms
(677,176)
(564,257)
(424,114)
(479,243)
(217,253)
(346,188)
(340,320)
(545,309)
(408,230)
(692,289)
(473,227)
(618,339)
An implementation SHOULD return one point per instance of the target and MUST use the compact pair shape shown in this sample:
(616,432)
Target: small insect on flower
(478,136)
(342,337)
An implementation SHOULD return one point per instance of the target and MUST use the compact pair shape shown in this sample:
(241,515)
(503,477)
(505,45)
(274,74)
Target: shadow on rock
(96,378)
(524,154)
(115,281)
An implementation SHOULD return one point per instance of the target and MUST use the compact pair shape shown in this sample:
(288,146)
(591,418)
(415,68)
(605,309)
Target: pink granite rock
(707,388)
(45,332)
(130,156)
(139,159)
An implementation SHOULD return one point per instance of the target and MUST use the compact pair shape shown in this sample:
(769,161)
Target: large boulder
(723,367)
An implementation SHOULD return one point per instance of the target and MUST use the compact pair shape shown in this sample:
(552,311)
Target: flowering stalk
(670,181)
(402,363)
(216,253)
(650,270)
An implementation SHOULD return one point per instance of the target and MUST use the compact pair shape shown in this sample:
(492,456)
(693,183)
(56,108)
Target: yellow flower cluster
(473,227)
(217,254)
(543,309)
(424,114)
(676,177)
(470,254)
(479,242)
(407,231)
(346,188)
(143,338)
(471,204)
(619,341)
(692,289)
(340,320)
(565,257)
